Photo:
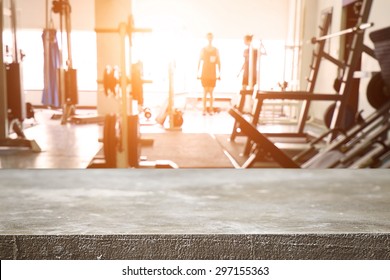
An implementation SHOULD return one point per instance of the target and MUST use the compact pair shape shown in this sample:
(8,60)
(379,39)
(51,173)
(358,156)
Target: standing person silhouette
(249,68)
(209,61)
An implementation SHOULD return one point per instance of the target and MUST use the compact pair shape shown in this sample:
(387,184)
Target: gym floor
(198,144)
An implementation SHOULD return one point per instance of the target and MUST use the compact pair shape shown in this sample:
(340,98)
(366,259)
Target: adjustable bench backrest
(262,141)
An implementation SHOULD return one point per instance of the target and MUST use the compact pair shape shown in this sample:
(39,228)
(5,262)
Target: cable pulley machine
(12,105)
(67,75)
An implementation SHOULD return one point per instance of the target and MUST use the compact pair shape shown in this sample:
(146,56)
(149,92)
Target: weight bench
(358,141)
(263,145)
(262,142)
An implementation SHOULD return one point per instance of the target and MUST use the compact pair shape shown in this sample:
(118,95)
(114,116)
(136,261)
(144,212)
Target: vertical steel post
(3,82)
(68,28)
(13,28)
(47,46)
(122,159)
(171,94)
(250,66)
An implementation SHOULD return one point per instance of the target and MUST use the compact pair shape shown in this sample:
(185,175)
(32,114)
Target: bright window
(83,54)
(156,51)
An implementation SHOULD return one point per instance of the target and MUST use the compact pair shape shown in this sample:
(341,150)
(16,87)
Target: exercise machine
(340,118)
(364,140)
(121,137)
(111,78)
(258,100)
(12,105)
(366,144)
(168,110)
(66,74)
(121,134)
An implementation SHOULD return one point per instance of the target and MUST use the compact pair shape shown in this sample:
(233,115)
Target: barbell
(358,28)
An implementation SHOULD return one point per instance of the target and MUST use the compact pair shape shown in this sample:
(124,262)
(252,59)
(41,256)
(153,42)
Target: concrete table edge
(350,246)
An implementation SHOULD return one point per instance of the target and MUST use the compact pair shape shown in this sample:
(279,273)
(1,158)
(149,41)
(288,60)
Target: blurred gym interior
(96,96)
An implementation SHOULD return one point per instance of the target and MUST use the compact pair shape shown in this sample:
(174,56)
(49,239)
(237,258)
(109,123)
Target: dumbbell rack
(5,140)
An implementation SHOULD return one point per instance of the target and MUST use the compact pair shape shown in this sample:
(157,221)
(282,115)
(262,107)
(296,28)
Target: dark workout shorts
(208,82)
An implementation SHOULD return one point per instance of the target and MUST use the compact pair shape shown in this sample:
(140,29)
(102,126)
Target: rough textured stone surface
(7,247)
(227,247)
(195,214)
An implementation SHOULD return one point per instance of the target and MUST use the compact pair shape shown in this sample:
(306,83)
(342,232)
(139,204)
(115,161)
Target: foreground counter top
(195,214)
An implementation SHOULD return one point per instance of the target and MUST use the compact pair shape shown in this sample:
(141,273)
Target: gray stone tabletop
(349,208)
